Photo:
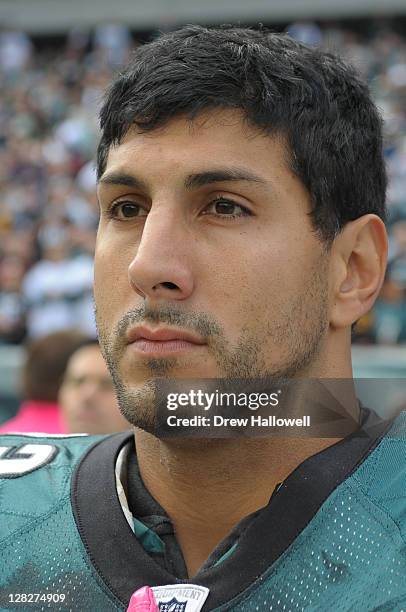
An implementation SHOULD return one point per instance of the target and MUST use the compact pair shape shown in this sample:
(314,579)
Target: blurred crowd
(49,104)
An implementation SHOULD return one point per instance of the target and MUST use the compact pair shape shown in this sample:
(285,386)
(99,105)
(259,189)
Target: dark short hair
(46,361)
(317,102)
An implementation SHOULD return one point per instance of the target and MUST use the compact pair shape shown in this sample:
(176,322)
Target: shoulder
(385,467)
(41,545)
(36,473)
(23,453)
(382,475)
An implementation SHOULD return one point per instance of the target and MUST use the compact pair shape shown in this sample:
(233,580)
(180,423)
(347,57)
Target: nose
(161,267)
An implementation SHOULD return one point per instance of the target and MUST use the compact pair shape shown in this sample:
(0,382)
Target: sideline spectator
(87,398)
(15,50)
(58,291)
(113,42)
(306,32)
(12,308)
(41,379)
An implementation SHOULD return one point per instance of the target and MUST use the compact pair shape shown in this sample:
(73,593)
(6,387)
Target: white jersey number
(16,462)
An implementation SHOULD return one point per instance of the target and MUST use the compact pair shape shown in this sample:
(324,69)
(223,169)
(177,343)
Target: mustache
(200,323)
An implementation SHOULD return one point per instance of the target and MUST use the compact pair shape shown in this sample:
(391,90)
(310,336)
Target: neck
(208,486)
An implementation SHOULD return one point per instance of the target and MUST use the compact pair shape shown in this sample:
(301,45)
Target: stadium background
(56,57)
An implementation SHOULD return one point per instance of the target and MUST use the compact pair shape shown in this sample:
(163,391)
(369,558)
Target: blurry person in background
(12,308)
(87,397)
(112,42)
(306,32)
(15,51)
(58,290)
(42,375)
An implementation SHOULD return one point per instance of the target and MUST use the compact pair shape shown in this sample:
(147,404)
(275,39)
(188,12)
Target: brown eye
(226,208)
(127,210)
(223,207)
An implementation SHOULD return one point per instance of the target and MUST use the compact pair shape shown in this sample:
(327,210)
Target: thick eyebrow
(193,181)
(221,175)
(122,178)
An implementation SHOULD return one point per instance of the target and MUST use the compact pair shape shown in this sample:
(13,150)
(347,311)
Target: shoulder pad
(382,475)
(35,474)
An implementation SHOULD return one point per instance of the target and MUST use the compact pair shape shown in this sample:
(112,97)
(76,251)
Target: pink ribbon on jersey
(143,600)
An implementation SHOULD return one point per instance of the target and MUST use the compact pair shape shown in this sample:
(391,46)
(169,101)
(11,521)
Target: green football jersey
(332,538)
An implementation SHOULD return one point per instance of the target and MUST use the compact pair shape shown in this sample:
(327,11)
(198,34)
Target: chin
(138,404)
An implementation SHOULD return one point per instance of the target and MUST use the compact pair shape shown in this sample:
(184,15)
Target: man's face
(87,399)
(207,265)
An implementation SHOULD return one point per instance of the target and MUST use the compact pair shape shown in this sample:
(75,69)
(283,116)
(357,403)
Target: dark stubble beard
(297,334)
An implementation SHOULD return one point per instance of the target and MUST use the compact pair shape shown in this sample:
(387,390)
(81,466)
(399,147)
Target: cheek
(112,290)
(259,290)
(252,280)
(67,400)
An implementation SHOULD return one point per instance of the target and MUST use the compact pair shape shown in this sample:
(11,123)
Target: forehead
(87,357)
(219,136)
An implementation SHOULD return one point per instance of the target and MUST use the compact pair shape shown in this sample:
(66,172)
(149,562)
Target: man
(241,187)
(87,399)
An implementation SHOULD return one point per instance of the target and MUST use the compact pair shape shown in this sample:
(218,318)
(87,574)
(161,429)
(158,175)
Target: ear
(359,255)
